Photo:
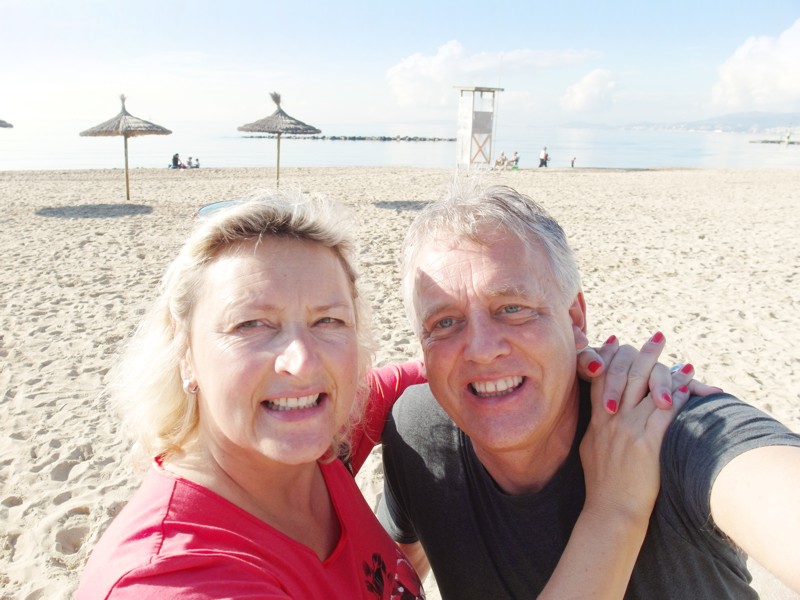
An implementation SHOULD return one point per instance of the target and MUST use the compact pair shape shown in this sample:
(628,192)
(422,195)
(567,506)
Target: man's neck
(527,470)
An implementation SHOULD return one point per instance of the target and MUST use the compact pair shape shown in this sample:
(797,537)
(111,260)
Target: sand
(709,257)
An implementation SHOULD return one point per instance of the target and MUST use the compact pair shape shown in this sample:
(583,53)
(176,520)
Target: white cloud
(593,91)
(763,73)
(422,80)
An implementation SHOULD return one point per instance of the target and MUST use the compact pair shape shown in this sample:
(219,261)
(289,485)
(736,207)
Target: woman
(245,386)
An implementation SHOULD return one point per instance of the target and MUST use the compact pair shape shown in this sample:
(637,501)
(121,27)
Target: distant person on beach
(485,465)
(176,162)
(513,162)
(196,163)
(248,392)
(500,162)
(572,162)
(189,163)
(543,157)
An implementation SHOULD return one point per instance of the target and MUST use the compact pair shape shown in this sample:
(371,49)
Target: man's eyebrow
(434,309)
(524,291)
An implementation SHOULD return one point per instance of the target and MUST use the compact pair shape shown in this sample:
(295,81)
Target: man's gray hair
(473,214)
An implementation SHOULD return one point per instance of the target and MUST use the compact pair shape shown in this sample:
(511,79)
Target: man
(513,162)
(489,480)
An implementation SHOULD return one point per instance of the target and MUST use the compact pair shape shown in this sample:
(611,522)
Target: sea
(59,147)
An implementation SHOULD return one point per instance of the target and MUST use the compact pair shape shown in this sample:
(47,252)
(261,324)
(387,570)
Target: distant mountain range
(748,122)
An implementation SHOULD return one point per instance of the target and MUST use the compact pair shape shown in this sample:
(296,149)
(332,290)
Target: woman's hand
(633,403)
(616,364)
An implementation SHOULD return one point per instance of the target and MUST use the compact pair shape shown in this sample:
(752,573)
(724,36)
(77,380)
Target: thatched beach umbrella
(278,123)
(5,124)
(126,125)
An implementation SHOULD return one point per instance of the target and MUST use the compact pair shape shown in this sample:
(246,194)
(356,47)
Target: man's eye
(329,321)
(445,323)
(512,308)
(249,324)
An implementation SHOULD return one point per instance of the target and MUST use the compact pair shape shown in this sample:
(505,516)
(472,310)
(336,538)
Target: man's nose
(485,340)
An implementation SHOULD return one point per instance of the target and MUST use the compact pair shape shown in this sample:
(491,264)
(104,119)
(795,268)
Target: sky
(392,68)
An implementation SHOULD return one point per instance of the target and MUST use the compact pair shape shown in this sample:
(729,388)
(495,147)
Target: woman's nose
(298,354)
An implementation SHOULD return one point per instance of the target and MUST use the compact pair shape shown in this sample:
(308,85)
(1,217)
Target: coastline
(709,257)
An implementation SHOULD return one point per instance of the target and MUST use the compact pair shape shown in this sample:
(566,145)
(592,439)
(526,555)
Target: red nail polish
(611,340)
(683,389)
(666,398)
(611,405)
(594,366)
(687,368)
(657,337)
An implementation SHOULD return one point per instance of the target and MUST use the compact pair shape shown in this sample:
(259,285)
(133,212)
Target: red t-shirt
(178,539)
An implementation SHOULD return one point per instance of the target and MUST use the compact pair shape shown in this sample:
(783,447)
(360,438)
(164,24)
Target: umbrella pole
(278,170)
(127,184)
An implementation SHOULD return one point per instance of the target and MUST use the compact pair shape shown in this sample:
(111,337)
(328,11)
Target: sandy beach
(709,257)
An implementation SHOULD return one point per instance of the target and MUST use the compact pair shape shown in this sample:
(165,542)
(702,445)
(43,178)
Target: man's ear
(577,313)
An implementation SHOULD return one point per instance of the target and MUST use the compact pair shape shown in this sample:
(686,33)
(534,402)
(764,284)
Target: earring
(188,388)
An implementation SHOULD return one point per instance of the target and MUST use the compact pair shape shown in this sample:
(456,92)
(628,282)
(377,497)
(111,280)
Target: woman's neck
(293,499)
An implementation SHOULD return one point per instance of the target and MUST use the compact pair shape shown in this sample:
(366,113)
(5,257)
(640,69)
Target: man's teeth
(498,387)
(292,403)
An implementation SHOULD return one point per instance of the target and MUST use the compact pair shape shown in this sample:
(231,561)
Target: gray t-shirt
(483,543)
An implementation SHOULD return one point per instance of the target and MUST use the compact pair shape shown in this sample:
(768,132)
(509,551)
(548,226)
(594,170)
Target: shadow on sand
(402,204)
(94,211)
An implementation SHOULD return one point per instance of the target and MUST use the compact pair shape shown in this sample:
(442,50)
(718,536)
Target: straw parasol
(278,123)
(126,125)
(5,123)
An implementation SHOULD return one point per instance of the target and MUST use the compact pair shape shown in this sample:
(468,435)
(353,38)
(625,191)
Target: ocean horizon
(43,148)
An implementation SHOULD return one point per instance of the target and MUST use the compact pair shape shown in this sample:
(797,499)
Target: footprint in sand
(62,497)
(11,501)
(72,531)
(61,471)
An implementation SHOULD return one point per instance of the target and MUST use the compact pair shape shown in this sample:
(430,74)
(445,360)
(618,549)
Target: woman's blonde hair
(147,388)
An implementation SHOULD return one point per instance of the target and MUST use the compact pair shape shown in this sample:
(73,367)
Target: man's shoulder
(417,414)
(720,413)
(712,430)
(416,402)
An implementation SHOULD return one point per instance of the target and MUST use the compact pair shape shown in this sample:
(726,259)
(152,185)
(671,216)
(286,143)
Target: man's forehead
(506,267)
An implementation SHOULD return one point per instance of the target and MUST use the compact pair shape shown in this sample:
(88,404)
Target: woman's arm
(386,385)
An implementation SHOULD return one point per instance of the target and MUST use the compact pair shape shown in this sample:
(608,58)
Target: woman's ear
(185,364)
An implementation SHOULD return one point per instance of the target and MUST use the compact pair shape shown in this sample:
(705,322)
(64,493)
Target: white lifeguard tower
(476,109)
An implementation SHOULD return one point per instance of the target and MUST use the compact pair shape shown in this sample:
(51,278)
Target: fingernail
(611,405)
(719,390)
(683,389)
(594,366)
(687,368)
(666,398)
(611,340)
(657,337)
